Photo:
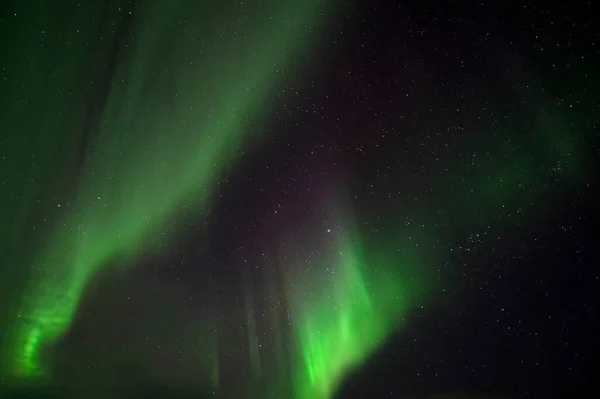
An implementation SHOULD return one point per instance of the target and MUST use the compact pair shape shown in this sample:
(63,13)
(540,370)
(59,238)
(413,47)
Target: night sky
(298,199)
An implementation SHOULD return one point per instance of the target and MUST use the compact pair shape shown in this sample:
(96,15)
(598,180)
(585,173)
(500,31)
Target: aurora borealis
(123,196)
(265,199)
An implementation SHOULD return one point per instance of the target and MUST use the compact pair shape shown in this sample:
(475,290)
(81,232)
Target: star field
(309,200)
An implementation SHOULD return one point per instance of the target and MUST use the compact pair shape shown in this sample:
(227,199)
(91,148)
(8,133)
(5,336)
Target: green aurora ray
(347,314)
(176,115)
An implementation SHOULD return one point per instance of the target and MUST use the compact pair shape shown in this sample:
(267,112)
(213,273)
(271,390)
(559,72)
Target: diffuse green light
(350,312)
(169,130)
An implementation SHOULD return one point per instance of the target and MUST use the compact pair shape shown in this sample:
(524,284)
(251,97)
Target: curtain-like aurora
(176,106)
(357,298)
(166,118)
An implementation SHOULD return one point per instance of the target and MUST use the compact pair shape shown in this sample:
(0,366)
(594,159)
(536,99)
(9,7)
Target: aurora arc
(153,156)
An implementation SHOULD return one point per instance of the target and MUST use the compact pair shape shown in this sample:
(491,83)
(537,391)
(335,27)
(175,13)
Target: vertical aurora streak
(348,306)
(253,347)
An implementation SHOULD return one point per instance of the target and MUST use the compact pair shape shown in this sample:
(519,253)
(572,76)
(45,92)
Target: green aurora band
(154,155)
(155,158)
(349,312)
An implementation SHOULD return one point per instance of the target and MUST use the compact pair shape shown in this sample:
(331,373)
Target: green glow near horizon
(356,306)
(155,154)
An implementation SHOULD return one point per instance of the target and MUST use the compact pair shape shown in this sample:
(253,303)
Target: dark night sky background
(402,104)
